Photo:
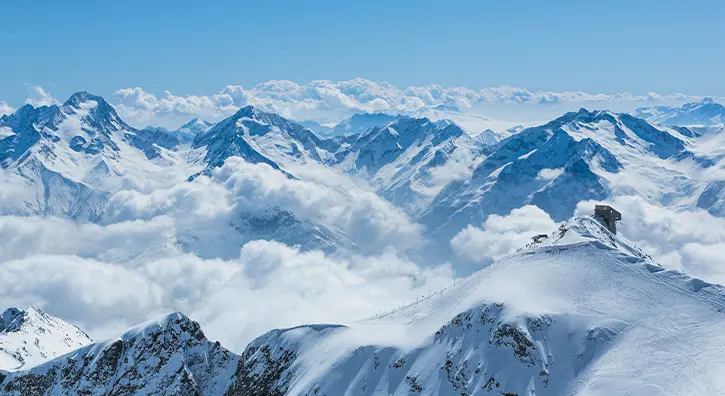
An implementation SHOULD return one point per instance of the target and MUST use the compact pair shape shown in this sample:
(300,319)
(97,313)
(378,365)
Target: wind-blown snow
(29,337)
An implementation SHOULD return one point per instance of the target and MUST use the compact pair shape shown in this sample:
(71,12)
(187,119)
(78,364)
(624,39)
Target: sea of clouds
(173,249)
(164,246)
(328,102)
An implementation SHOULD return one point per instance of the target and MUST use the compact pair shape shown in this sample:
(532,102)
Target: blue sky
(191,47)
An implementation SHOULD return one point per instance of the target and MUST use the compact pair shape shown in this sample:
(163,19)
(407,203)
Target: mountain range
(705,113)
(30,336)
(576,311)
(579,311)
(74,157)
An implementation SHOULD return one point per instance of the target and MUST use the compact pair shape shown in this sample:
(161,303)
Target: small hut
(608,216)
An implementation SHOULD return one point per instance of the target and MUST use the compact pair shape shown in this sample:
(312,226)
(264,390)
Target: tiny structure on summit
(608,216)
(539,238)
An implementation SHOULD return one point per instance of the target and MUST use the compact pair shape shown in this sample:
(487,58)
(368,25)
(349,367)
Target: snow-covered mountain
(169,356)
(185,134)
(704,113)
(584,155)
(581,312)
(73,156)
(408,160)
(357,123)
(259,137)
(490,137)
(195,126)
(584,313)
(472,123)
(29,337)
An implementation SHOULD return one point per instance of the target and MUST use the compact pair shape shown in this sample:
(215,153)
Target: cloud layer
(140,262)
(105,279)
(501,235)
(688,240)
(5,108)
(175,248)
(329,101)
(208,206)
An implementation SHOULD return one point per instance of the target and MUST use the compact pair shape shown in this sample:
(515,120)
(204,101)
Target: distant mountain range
(704,113)
(74,157)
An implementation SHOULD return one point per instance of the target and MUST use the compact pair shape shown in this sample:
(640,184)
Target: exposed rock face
(171,356)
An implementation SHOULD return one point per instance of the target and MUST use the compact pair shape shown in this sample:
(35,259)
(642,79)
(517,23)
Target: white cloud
(267,285)
(128,241)
(40,97)
(209,205)
(459,166)
(79,289)
(549,174)
(5,109)
(691,241)
(501,235)
(138,262)
(13,188)
(687,240)
(328,101)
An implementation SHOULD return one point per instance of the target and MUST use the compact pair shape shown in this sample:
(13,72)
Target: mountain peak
(193,122)
(81,97)
(584,116)
(173,322)
(707,100)
(167,356)
(155,128)
(588,229)
(196,124)
(248,111)
(31,336)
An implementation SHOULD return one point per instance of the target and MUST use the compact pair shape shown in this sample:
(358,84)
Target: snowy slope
(30,336)
(580,156)
(585,313)
(195,126)
(73,156)
(168,356)
(703,113)
(409,160)
(260,137)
